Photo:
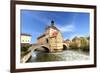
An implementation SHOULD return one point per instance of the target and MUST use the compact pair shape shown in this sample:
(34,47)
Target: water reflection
(66,55)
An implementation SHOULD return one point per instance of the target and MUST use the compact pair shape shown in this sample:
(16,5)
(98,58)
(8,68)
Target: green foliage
(24,48)
(84,44)
(81,43)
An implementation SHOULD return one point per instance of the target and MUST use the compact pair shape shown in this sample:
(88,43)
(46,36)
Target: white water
(67,55)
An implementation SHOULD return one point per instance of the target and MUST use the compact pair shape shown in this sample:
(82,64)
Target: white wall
(25,39)
(5,37)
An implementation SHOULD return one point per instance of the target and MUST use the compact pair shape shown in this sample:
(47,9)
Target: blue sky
(71,24)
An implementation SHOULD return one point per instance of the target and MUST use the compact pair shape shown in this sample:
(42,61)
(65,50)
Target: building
(51,37)
(77,40)
(25,39)
(68,42)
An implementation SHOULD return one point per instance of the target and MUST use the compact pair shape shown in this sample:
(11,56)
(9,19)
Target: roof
(67,40)
(25,34)
(41,36)
(52,26)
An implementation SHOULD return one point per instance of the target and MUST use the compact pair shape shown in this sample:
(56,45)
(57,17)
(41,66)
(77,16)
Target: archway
(42,49)
(36,49)
(64,47)
(45,49)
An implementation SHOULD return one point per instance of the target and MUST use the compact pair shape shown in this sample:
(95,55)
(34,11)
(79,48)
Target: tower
(52,23)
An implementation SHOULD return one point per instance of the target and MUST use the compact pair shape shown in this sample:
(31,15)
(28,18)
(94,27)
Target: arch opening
(42,49)
(65,47)
(36,49)
(45,49)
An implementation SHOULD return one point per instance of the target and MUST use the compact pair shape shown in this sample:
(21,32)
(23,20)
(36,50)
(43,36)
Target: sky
(70,24)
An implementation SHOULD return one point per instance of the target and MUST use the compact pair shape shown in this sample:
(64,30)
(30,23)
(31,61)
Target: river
(66,55)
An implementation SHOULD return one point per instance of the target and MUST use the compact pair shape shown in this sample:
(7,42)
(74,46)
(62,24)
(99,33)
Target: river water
(66,55)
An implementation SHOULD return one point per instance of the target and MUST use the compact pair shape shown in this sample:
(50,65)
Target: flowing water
(66,55)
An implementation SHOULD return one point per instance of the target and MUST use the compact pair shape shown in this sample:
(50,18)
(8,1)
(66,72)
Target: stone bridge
(38,47)
(44,47)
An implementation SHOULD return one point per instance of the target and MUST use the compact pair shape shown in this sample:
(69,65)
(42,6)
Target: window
(47,40)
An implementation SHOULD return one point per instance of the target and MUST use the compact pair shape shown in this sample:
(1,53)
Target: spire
(52,23)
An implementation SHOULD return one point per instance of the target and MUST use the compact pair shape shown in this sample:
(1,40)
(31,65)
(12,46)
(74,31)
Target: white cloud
(66,28)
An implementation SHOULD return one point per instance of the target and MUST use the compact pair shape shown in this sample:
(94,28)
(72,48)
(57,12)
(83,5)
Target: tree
(75,44)
(84,44)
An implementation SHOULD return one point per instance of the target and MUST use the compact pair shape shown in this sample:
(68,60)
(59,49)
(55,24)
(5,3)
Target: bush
(24,48)
(84,44)
(81,43)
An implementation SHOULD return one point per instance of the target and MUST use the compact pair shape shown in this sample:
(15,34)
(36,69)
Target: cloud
(66,28)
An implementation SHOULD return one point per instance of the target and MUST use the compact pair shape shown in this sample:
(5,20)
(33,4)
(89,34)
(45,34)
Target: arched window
(47,41)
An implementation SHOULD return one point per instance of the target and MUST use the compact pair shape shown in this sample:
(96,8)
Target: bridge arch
(42,48)
(65,47)
(46,49)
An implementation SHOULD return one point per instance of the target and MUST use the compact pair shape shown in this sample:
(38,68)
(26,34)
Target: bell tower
(52,23)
